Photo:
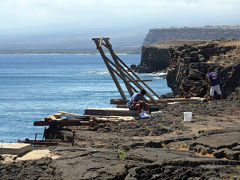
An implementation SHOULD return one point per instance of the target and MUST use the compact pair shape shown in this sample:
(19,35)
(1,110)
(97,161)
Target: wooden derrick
(117,67)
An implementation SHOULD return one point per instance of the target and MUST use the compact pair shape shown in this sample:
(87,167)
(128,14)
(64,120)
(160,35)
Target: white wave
(122,54)
(154,74)
(161,74)
(96,72)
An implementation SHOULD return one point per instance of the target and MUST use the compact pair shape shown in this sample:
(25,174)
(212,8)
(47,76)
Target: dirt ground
(164,147)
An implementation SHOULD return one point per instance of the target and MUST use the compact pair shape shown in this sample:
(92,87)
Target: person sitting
(214,83)
(137,103)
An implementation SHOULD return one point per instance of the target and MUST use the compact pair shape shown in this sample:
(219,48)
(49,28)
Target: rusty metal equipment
(48,142)
(117,68)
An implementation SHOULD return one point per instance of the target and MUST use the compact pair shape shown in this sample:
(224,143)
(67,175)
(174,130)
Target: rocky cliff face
(188,66)
(153,59)
(205,33)
(156,57)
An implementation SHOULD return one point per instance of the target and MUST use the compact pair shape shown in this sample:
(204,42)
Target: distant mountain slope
(199,33)
(121,40)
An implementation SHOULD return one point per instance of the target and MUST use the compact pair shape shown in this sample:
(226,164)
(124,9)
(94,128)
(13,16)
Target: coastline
(151,148)
(161,147)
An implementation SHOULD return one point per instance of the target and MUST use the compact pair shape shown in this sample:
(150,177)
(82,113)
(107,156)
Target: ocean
(33,86)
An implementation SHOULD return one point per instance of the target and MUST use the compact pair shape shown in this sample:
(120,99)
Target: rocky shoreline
(162,147)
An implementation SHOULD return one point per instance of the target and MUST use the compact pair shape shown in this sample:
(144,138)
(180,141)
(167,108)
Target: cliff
(153,59)
(156,57)
(188,67)
(202,33)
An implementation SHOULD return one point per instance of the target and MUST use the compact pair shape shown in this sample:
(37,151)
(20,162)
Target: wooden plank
(114,119)
(110,112)
(49,142)
(100,39)
(63,113)
(61,123)
(51,117)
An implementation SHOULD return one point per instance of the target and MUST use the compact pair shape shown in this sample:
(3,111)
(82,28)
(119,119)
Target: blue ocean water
(35,86)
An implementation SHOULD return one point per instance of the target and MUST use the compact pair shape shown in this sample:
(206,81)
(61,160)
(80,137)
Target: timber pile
(62,119)
(162,102)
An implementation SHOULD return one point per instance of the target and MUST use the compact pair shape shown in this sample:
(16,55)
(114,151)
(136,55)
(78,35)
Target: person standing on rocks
(214,84)
(137,103)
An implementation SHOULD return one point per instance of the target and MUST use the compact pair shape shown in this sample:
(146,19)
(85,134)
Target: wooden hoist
(117,68)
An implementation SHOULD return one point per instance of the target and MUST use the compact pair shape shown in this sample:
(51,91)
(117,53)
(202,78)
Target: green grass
(163,126)
(121,154)
(198,135)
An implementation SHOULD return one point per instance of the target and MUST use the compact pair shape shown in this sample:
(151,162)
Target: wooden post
(109,46)
(35,139)
(105,59)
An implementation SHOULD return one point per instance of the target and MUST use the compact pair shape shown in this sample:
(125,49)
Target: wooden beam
(114,56)
(61,123)
(130,79)
(106,61)
(110,112)
(138,78)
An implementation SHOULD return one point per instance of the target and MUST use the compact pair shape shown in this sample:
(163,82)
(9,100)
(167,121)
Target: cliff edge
(155,36)
(188,66)
(155,57)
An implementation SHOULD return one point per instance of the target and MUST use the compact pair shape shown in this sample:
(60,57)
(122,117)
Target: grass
(163,126)
(198,135)
(121,154)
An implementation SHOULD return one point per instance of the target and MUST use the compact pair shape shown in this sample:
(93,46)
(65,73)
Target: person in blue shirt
(137,103)
(214,84)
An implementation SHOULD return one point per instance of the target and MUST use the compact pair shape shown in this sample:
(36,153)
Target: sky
(50,19)
(44,15)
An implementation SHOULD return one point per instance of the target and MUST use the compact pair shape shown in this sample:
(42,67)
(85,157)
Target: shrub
(121,154)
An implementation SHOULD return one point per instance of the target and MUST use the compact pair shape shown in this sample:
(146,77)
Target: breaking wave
(97,72)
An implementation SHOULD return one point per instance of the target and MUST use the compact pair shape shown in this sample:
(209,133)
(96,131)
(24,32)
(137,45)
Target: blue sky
(60,15)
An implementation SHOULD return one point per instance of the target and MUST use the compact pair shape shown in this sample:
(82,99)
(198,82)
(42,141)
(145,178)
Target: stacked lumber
(65,119)
(61,119)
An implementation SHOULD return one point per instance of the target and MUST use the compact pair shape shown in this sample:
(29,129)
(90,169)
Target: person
(137,103)
(214,84)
